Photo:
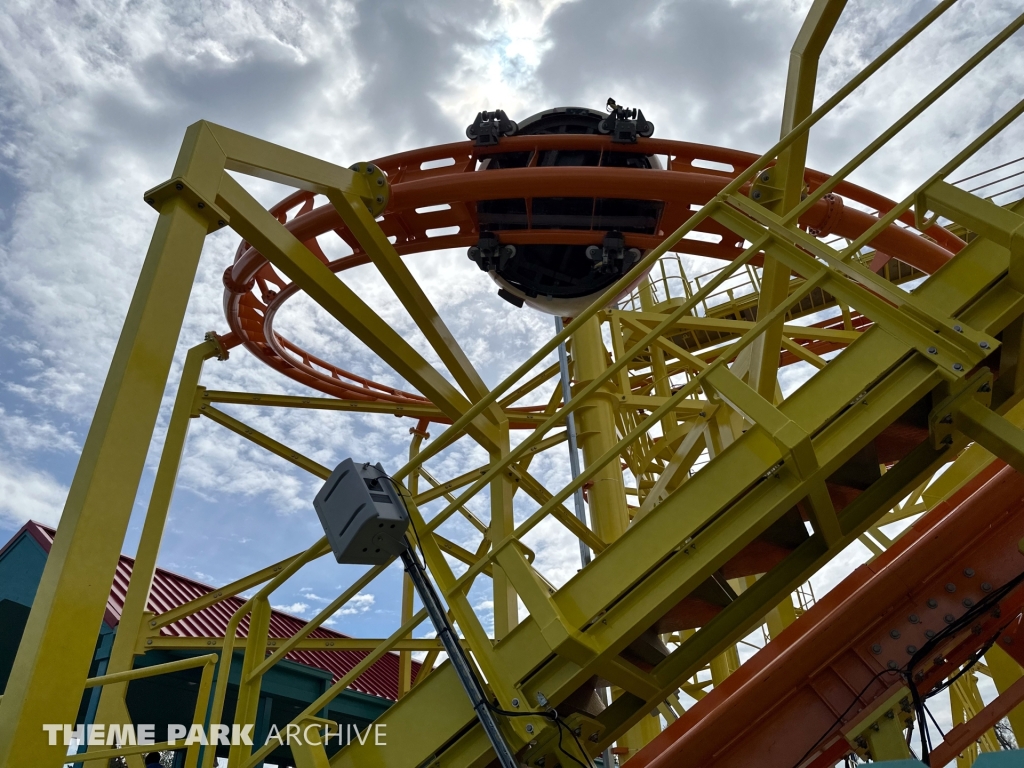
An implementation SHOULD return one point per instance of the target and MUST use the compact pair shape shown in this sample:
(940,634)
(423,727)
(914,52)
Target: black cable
(551,714)
(839,719)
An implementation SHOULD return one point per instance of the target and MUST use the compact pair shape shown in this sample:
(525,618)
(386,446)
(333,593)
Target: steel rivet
(179,187)
(893,664)
(986,587)
(149,200)
(200,206)
(380,198)
(370,168)
(983,344)
(968,602)
(876,648)
(951,587)
(929,633)
(949,618)
(756,195)
(914,618)
(933,603)
(911,650)
(529,728)
(958,328)
(515,702)
(765,176)
(968,572)
(932,351)
(221,222)
(895,634)
(380,181)
(958,366)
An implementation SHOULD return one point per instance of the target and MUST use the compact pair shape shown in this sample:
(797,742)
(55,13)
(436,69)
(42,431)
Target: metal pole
(570,428)
(574,467)
(460,663)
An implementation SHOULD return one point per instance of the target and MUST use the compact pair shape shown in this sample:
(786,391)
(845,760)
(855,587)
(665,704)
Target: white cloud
(298,608)
(360,603)
(29,494)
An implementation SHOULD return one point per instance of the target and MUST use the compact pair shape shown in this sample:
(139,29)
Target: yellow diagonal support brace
(286,253)
(262,440)
(788,178)
(361,223)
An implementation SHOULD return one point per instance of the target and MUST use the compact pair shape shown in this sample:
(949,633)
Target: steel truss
(699,475)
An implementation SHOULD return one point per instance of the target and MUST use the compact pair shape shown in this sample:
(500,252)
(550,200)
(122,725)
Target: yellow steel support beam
(111,707)
(49,672)
(787,177)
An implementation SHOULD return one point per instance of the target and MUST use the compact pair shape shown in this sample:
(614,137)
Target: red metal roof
(170,590)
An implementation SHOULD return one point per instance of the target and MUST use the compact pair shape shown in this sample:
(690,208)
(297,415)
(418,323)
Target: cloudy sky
(94,100)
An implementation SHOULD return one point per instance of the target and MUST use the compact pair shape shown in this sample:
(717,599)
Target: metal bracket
(625,125)
(489,254)
(546,752)
(941,421)
(612,256)
(488,128)
(763,190)
(878,733)
(180,187)
(379,191)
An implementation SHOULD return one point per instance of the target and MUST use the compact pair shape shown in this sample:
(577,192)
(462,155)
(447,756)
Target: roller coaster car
(559,277)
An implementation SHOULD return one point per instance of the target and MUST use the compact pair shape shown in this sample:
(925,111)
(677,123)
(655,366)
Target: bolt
(947,419)
(983,344)
(380,181)
(515,702)
(911,650)
(890,715)
(893,664)
(958,366)
(895,634)
(380,198)
(949,618)
(578,730)
(179,186)
(149,642)
(958,328)
(986,587)
(985,388)
(200,206)
(221,222)
(540,762)
(765,176)
(370,168)
(968,572)
(149,200)
(933,603)
(914,619)
(876,648)
(951,587)
(968,602)
(529,727)
(594,737)
(756,195)
(929,633)
(932,351)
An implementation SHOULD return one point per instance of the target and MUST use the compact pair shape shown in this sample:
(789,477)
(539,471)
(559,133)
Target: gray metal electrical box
(362,514)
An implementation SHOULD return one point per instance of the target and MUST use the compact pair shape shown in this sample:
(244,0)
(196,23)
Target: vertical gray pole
(570,428)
